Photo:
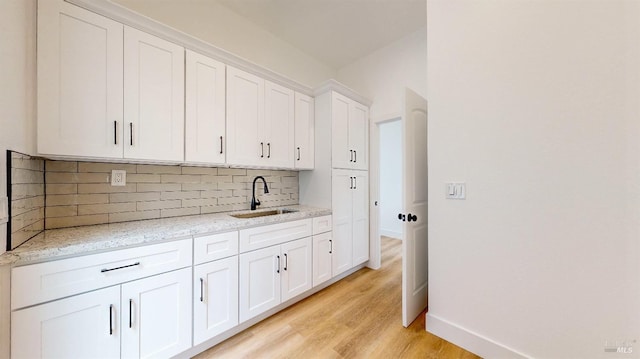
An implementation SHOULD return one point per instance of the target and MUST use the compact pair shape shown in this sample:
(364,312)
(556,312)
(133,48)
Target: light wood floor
(358,317)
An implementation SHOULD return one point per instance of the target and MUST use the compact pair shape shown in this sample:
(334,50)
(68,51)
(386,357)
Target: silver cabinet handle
(350,155)
(130,313)
(121,267)
(269,150)
(261,149)
(298,153)
(130,133)
(115,132)
(355,182)
(278,267)
(220,144)
(330,246)
(355,156)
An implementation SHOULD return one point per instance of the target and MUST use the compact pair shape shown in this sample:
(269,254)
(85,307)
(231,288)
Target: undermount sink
(263,214)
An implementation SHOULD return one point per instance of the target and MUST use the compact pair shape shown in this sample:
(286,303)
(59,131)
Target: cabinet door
(153,97)
(79,82)
(322,244)
(360,217)
(358,134)
(215,293)
(304,128)
(297,268)
(279,125)
(245,118)
(205,110)
(341,196)
(82,326)
(341,153)
(259,281)
(156,315)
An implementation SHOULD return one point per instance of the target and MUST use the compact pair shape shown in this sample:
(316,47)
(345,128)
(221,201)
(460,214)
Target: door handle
(130,133)
(130,311)
(201,290)
(278,267)
(111,319)
(298,153)
(351,156)
(330,246)
(402,217)
(115,132)
(355,156)
(220,144)
(286,261)
(269,150)
(412,217)
(261,149)
(355,182)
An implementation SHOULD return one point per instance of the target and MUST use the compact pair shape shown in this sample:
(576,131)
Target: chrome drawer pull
(116,268)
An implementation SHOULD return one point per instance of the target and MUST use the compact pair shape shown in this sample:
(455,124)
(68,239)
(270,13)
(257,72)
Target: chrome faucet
(254,201)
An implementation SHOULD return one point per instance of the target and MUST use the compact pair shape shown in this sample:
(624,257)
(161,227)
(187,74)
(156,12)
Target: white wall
(17,84)
(536,105)
(221,27)
(17,113)
(382,75)
(390,178)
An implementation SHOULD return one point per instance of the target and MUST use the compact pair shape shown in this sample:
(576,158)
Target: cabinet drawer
(260,237)
(37,283)
(214,246)
(321,224)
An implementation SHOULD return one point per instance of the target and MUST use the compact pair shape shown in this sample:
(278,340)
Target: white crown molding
(133,19)
(333,85)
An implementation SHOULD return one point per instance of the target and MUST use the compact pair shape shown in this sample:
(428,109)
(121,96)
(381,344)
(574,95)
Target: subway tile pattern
(27,198)
(80,193)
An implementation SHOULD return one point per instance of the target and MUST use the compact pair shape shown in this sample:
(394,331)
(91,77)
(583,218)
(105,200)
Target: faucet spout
(254,201)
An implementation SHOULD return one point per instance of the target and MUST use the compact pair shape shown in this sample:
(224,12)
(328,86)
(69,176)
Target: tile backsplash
(80,193)
(27,197)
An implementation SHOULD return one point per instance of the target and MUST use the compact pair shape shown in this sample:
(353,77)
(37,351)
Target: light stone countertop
(68,242)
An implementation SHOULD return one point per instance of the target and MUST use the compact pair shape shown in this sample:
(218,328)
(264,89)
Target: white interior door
(414,246)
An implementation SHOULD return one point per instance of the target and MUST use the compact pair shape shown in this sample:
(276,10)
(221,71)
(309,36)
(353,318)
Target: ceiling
(336,32)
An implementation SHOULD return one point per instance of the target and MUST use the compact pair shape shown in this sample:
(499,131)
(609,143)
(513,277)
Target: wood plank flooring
(358,317)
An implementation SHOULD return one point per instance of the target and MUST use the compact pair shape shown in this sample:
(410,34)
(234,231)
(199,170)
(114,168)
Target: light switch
(4,210)
(456,190)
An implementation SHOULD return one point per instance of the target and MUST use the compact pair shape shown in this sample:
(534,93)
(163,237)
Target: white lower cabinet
(322,253)
(156,315)
(82,326)
(215,297)
(272,275)
(146,318)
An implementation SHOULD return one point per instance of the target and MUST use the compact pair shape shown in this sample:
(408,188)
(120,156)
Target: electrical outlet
(118,178)
(456,190)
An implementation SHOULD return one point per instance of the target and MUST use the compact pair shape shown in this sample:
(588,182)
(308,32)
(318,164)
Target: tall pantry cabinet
(340,180)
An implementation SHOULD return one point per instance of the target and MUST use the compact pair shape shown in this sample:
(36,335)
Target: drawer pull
(116,268)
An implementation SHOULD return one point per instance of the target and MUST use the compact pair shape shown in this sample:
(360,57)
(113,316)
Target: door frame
(375,256)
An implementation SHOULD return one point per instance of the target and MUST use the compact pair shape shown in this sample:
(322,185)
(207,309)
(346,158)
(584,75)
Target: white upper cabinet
(80,87)
(153,97)
(279,122)
(304,132)
(260,120)
(205,110)
(350,121)
(245,118)
(358,129)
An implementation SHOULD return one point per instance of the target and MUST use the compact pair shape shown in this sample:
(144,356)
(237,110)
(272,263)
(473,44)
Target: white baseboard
(469,340)
(390,233)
